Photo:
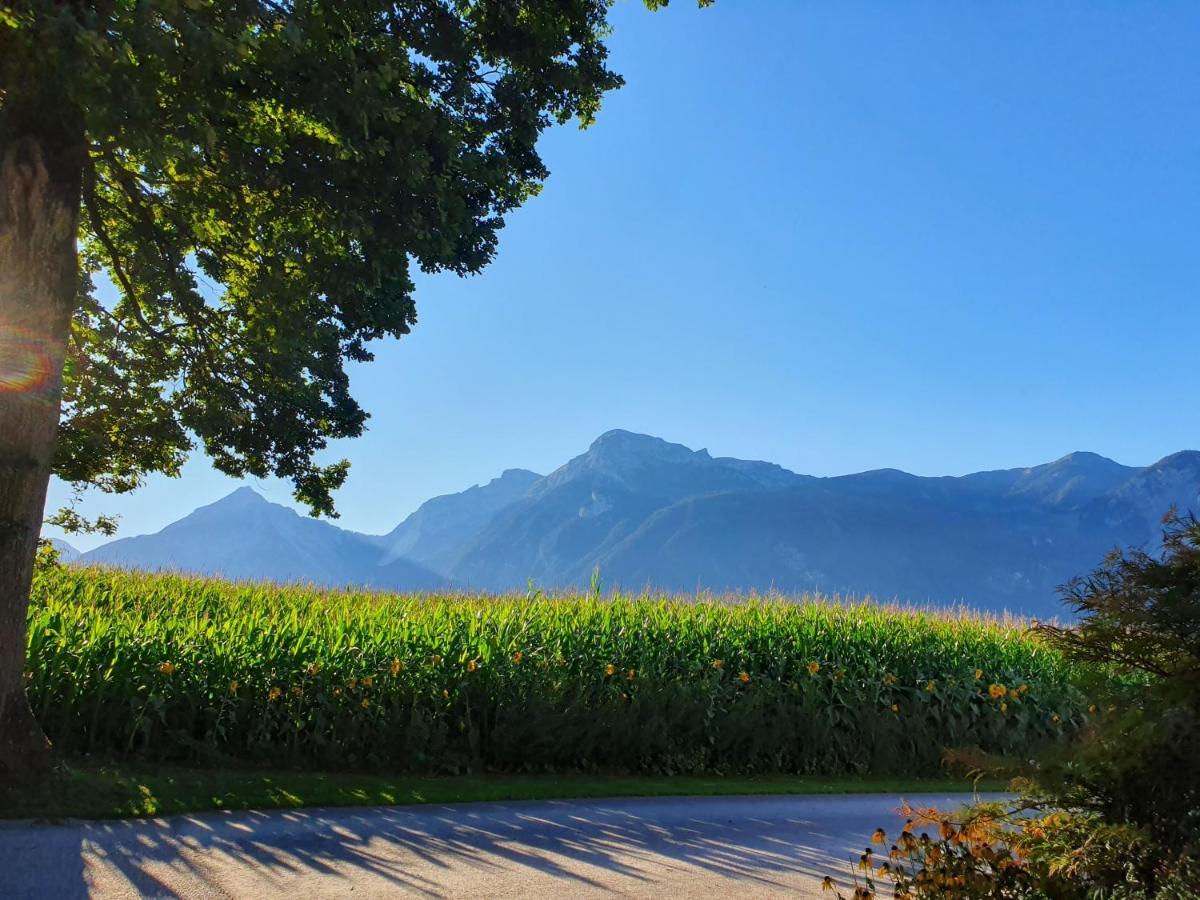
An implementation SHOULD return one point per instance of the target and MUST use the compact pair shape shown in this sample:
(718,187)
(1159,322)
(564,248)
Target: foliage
(963,860)
(996,850)
(175,668)
(1119,817)
(258,180)
(1141,616)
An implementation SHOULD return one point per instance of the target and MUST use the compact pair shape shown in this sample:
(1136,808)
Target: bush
(1141,619)
(173,668)
(1120,817)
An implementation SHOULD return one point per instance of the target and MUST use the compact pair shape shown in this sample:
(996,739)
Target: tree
(1140,618)
(301,155)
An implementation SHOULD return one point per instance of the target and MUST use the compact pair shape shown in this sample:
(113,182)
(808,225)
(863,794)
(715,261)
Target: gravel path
(664,847)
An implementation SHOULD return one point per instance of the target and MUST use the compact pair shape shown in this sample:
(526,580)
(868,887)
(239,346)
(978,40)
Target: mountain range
(648,513)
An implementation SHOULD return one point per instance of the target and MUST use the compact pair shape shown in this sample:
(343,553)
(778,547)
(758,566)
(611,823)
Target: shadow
(720,845)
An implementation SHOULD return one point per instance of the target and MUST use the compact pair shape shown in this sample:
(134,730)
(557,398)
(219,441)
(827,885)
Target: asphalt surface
(664,847)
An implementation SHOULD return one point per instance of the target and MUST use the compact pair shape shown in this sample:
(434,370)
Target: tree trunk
(41,158)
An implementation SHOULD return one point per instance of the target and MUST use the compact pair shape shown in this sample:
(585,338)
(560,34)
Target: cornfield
(168,667)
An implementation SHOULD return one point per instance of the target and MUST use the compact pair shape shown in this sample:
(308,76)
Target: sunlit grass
(133,791)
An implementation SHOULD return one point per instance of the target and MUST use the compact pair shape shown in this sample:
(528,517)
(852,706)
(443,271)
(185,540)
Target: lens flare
(24,363)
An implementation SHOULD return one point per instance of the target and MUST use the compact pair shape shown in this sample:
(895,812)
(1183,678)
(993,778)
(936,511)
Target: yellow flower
(979,674)
(472,665)
(352,683)
(337,692)
(931,687)
(896,707)
(889,679)
(313,668)
(274,694)
(1055,718)
(366,704)
(167,668)
(396,666)
(631,675)
(517,657)
(445,693)
(610,669)
(437,657)
(1092,708)
(813,668)
(368,681)
(878,837)
(827,883)
(1003,707)
(718,663)
(996,691)
(233,686)
(297,691)
(744,677)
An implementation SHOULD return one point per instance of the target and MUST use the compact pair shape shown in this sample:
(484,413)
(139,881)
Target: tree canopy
(260,180)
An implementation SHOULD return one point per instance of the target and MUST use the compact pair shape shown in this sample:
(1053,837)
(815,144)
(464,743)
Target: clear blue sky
(937,236)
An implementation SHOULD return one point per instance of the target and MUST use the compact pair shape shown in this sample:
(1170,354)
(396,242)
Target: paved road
(665,847)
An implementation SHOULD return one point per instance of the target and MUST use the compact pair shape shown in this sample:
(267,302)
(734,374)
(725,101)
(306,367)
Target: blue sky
(937,236)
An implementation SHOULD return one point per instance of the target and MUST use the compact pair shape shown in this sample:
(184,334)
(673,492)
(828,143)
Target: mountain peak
(621,445)
(1069,481)
(240,506)
(1085,458)
(243,496)
(1184,459)
(619,437)
(515,475)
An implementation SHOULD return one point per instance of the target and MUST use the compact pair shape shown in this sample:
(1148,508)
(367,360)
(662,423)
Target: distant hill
(569,521)
(66,552)
(649,512)
(245,536)
(435,534)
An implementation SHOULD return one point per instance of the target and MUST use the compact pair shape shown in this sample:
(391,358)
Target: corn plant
(169,667)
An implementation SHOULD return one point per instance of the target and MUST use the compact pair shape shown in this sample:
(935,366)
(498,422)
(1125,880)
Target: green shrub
(1118,818)
(179,668)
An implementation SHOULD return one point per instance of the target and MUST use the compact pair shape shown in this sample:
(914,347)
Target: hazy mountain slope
(1134,508)
(436,533)
(245,536)
(916,547)
(66,552)
(649,512)
(1069,482)
(560,528)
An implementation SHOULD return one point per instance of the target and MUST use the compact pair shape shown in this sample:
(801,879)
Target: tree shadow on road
(568,847)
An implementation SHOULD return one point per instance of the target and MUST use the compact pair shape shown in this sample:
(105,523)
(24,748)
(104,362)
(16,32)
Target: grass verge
(123,791)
